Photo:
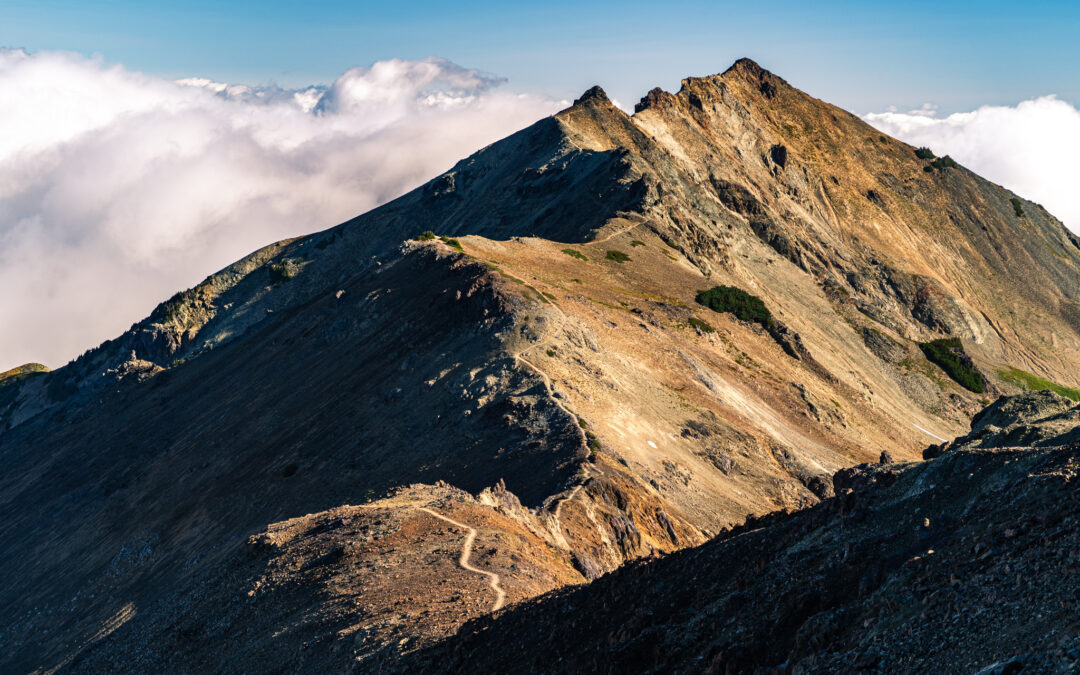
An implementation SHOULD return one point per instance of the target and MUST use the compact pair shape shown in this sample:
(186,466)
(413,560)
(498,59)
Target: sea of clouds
(118,189)
(1031,148)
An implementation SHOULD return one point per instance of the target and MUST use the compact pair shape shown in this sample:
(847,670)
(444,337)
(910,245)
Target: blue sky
(860,55)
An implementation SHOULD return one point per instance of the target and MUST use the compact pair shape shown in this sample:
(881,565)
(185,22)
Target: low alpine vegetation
(925,153)
(1029,382)
(575,254)
(736,301)
(1018,207)
(280,272)
(702,326)
(426,235)
(949,355)
(617,256)
(941,163)
(170,309)
(594,445)
(452,243)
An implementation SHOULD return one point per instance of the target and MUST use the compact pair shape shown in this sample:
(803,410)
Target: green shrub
(617,256)
(736,301)
(703,326)
(452,243)
(1018,207)
(551,353)
(426,235)
(941,163)
(575,254)
(948,354)
(924,153)
(1030,382)
(170,309)
(280,272)
(637,242)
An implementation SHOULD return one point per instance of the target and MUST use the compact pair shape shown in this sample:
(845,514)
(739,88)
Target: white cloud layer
(118,189)
(1031,148)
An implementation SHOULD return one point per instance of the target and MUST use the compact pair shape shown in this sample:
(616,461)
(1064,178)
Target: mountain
(966,562)
(258,476)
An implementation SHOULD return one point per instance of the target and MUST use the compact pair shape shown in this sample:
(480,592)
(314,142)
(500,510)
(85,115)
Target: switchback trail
(463,560)
(559,505)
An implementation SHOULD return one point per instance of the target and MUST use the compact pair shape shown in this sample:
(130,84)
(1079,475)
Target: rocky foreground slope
(968,562)
(517,345)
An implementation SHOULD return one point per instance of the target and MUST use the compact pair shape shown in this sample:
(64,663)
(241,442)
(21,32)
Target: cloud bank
(1031,148)
(118,189)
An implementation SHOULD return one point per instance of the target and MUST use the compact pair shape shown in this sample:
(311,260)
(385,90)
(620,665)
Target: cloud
(1030,148)
(117,188)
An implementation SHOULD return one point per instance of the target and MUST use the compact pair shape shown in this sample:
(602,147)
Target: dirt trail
(463,560)
(547,385)
(615,234)
(559,505)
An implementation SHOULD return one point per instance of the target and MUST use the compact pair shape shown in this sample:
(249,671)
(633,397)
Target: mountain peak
(695,88)
(766,82)
(594,94)
(748,66)
(654,98)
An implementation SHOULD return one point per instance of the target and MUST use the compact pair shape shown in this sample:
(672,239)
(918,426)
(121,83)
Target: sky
(147,145)
(863,56)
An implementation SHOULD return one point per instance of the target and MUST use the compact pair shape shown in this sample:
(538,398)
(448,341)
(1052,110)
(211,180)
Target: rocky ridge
(548,343)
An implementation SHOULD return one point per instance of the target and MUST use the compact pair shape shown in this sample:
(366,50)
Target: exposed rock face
(544,353)
(1038,419)
(960,563)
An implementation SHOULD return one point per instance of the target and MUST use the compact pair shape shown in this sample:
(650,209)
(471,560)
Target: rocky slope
(547,348)
(968,562)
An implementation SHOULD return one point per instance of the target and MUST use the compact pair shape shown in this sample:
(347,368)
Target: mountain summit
(601,339)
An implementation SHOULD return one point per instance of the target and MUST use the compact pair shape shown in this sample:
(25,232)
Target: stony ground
(960,563)
(351,588)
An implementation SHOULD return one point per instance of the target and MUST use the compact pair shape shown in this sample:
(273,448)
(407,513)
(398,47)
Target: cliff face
(548,346)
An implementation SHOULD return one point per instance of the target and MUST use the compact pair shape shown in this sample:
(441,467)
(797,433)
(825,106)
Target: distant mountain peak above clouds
(306,98)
